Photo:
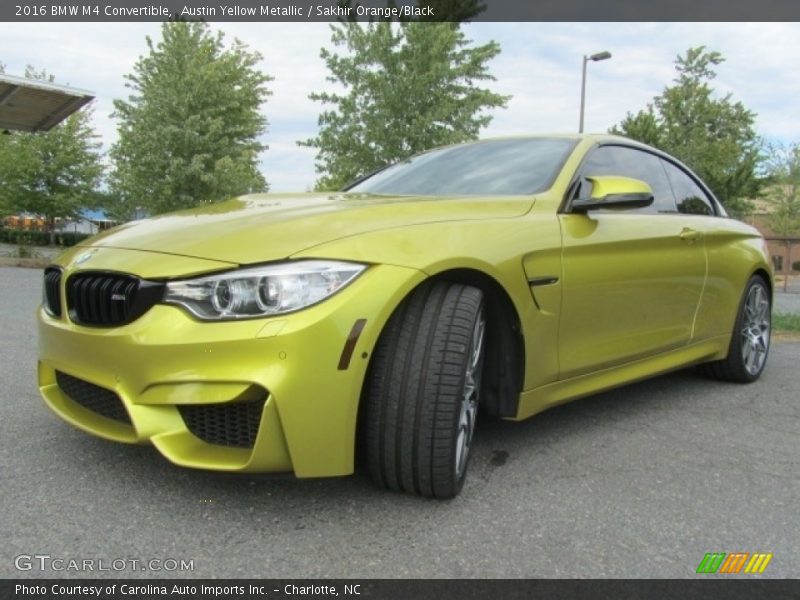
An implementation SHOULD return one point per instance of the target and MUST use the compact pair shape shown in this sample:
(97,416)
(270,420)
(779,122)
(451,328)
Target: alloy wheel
(755,329)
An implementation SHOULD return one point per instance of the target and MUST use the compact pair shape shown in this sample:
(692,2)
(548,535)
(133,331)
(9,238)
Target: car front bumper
(193,389)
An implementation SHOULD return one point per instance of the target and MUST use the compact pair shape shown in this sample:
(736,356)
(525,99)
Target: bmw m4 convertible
(294,333)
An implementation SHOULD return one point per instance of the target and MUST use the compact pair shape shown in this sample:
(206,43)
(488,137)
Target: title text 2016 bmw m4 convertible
(288,332)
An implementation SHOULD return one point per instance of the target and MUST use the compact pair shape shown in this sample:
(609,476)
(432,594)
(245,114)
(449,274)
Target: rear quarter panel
(734,251)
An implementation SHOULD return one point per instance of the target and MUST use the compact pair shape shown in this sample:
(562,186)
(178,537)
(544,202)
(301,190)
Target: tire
(749,347)
(423,389)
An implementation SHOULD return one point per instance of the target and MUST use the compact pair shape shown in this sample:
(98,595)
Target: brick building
(784,251)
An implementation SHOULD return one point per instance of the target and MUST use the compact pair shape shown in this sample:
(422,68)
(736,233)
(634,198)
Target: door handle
(689,235)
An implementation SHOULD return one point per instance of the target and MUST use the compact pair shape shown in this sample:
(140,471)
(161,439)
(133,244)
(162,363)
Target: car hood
(265,227)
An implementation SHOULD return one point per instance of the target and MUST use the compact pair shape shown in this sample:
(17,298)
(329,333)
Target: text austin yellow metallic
(292,332)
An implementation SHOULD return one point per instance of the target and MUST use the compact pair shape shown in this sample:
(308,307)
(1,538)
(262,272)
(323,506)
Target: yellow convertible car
(277,333)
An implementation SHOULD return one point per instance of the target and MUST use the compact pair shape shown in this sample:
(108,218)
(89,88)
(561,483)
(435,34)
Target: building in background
(784,250)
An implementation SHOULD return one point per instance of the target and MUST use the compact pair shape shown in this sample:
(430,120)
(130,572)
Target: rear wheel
(749,347)
(423,390)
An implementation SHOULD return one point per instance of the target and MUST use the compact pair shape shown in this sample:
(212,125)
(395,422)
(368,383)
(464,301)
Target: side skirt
(539,399)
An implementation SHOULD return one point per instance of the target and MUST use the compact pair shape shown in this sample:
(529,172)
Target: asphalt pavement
(638,482)
(787,302)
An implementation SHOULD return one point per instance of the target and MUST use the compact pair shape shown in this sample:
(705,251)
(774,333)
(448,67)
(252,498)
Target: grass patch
(786,322)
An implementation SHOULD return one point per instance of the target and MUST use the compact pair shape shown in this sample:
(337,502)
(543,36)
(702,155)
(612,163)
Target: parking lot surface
(641,481)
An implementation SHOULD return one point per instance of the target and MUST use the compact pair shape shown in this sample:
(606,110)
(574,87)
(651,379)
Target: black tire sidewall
(415,391)
(459,480)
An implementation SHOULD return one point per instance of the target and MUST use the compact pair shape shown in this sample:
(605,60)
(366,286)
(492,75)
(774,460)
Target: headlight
(261,291)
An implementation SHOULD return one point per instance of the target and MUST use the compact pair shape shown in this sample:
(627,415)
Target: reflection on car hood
(266,227)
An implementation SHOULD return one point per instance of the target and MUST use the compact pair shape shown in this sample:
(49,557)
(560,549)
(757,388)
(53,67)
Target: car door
(703,214)
(632,278)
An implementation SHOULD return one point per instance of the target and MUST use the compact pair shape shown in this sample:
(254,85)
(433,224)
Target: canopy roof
(30,105)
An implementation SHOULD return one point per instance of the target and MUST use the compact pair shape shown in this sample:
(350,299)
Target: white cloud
(540,66)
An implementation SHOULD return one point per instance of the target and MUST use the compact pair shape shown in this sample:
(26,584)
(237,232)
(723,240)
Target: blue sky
(539,66)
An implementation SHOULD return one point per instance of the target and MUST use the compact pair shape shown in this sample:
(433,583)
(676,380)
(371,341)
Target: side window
(629,162)
(690,197)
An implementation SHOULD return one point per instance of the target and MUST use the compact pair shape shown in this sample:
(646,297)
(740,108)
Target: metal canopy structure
(30,105)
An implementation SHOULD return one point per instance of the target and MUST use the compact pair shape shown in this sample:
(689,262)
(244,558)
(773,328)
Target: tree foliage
(714,136)
(188,133)
(407,87)
(783,191)
(52,174)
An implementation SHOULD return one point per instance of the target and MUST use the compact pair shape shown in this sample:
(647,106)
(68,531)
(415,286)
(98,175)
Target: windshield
(496,167)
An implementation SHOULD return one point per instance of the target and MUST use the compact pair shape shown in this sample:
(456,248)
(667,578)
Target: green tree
(188,133)
(52,174)
(782,192)
(4,204)
(407,87)
(9,177)
(714,136)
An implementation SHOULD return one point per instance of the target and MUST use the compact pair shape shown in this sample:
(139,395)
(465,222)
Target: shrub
(22,237)
(70,239)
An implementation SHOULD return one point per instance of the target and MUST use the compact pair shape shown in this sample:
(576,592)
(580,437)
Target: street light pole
(594,57)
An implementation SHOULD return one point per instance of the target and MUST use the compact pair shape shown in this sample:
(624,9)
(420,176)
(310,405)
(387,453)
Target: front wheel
(422,396)
(749,347)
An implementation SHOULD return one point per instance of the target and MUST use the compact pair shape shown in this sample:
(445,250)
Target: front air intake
(226,424)
(92,397)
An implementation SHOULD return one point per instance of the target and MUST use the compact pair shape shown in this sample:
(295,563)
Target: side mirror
(614,192)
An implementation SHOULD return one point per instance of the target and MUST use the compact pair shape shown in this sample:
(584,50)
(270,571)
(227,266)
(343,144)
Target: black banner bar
(440,589)
(366,10)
